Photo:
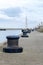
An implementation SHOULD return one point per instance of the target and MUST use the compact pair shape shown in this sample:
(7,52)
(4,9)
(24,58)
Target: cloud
(11,23)
(16,10)
(12,12)
(4,16)
(12,3)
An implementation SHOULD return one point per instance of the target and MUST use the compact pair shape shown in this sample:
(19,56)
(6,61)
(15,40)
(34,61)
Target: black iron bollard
(24,33)
(12,41)
(12,45)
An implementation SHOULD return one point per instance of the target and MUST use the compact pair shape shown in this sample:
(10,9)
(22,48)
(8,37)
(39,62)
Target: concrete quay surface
(32,51)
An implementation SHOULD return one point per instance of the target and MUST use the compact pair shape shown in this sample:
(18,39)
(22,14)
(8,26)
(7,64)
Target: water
(3,34)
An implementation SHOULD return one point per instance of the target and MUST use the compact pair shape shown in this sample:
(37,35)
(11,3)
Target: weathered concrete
(32,54)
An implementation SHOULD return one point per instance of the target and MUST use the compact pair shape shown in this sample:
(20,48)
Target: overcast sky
(13,13)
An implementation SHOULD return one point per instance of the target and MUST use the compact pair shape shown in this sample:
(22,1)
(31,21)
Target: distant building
(41,26)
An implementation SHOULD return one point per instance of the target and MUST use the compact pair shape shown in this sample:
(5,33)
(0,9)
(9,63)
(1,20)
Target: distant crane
(26,22)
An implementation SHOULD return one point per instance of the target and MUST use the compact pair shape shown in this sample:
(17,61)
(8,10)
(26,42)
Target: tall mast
(26,22)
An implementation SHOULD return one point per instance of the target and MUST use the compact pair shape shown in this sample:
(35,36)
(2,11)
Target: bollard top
(24,31)
(13,37)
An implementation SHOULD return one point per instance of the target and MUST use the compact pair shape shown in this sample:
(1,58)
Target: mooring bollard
(12,41)
(24,33)
(12,45)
